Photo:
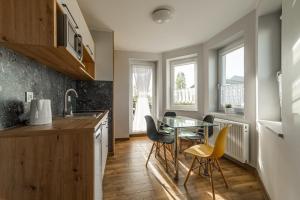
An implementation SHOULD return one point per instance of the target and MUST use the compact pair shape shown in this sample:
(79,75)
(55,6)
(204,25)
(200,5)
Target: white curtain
(142,81)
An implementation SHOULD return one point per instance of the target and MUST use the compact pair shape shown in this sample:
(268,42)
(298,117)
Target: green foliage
(228,106)
(180,81)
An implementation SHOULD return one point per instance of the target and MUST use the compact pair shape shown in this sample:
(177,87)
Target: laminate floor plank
(126,177)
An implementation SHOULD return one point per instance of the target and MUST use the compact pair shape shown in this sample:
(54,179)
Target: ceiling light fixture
(162,15)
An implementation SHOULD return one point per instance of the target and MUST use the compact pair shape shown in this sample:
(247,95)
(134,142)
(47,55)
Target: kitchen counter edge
(60,125)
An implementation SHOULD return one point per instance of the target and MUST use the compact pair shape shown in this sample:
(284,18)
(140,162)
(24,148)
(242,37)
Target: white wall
(196,49)
(269,63)
(207,76)
(246,28)
(270,162)
(122,88)
(279,161)
(104,55)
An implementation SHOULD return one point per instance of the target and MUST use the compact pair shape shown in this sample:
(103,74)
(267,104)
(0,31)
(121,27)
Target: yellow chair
(210,155)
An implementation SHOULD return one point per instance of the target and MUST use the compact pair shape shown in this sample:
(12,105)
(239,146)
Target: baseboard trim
(244,165)
(138,135)
(121,139)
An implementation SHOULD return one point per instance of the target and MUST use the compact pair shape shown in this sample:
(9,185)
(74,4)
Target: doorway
(142,94)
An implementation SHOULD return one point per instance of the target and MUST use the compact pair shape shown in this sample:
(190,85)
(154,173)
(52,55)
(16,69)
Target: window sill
(188,108)
(228,116)
(182,109)
(274,126)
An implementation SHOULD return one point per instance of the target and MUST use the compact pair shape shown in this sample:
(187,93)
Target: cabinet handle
(88,46)
(65,5)
(98,135)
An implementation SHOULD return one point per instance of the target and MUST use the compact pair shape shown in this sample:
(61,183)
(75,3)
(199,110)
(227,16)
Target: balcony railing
(184,96)
(232,94)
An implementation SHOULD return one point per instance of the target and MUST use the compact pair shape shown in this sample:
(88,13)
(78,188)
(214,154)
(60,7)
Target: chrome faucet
(66,112)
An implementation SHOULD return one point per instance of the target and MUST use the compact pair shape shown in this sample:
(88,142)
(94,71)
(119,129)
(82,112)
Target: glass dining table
(181,122)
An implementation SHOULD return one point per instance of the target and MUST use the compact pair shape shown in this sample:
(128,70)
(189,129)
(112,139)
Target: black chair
(170,114)
(199,134)
(157,138)
(164,127)
(209,119)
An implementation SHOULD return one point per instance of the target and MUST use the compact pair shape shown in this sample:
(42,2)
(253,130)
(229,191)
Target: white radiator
(237,139)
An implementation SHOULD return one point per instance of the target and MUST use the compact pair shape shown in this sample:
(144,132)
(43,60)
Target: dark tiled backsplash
(96,95)
(19,74)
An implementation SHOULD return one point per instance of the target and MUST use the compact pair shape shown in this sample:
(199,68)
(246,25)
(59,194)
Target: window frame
(171,64)
(222,73)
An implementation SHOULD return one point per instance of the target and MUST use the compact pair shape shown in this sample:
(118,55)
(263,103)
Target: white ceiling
(195,21)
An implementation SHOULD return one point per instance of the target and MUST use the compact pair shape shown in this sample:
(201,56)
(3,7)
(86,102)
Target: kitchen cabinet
(100,156)
(62,161)
(98,163)
(72,8)
(50,166)
(31,28)
(104,143)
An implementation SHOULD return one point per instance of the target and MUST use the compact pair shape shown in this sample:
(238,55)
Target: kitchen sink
(85,114)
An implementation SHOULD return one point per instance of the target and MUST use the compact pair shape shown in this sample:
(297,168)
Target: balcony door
(142,94)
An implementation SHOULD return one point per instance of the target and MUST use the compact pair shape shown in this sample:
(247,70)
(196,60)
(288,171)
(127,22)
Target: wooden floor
(126,177)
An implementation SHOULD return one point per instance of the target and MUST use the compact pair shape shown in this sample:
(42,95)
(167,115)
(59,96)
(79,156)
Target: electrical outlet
(28,97)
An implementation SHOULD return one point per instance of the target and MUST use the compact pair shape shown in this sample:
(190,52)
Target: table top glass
(184,122)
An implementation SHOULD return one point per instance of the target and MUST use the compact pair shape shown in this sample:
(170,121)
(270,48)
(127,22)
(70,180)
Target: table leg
(205,135)
(206,142)
(176,153)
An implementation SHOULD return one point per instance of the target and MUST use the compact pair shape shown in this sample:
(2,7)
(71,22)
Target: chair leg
(190,170)
(171,151)
(150,153)
(180,145)
(199,172)
(157,149)
(220,169)
(211,179)
(165,155)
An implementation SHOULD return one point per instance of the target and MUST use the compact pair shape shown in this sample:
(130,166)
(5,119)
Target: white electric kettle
(40,112)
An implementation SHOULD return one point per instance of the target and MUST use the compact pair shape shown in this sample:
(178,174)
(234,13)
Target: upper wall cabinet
(52,32)
(72,8)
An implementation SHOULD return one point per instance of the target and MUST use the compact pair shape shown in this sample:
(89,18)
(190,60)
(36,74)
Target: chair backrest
(220,143)
(167,114)
(152,132)
(170,114)
(209,119)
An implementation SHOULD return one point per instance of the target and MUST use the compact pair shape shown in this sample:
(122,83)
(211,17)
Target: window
(231,78)
(182,80)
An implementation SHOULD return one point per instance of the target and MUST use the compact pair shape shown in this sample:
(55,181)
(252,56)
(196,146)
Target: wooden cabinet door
(73,10)
(78,167)
(54,166)
(7,165)
(36,170)
(30,22)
